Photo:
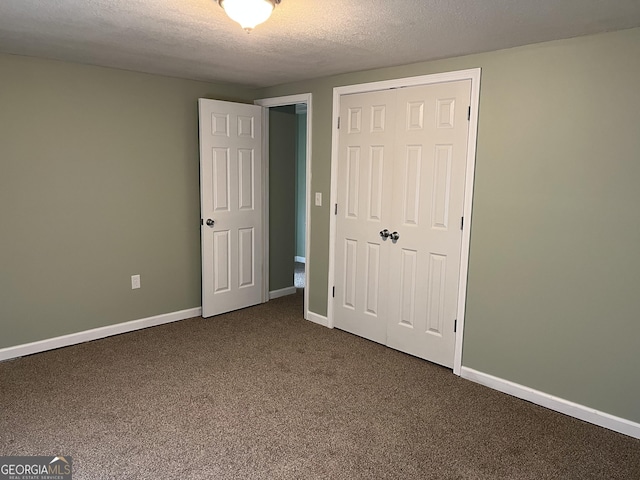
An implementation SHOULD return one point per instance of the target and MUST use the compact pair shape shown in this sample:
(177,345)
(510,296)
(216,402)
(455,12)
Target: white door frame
(474,76)
(280,102)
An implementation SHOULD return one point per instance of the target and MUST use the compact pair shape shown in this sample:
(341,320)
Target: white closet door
(367,124)
(427,207)
(401,167)
(231,205)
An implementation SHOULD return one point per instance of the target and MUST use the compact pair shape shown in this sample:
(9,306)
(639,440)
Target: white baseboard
(96,333)
(300,259)
(319,319)
(283,292)
(572,409)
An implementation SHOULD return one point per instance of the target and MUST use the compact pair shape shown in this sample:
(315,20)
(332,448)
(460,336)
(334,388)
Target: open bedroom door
(231,205)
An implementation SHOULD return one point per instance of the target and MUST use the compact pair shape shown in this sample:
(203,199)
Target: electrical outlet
(135,281)
(318,199)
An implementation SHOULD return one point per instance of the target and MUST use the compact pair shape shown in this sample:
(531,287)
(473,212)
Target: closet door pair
(401,176)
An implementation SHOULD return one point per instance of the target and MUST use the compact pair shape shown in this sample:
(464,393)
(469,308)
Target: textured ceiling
(303,39)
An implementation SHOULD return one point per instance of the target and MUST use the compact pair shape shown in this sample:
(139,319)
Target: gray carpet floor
(262,394)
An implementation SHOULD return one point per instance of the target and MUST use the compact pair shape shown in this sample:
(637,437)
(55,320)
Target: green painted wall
(301,182)
(554,269)
(98,181)
(282,199)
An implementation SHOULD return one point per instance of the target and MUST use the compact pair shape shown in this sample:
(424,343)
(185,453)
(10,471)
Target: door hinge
(461,223)
(455,325)
(338,123)
(469,114)
(336,210)
(334,292)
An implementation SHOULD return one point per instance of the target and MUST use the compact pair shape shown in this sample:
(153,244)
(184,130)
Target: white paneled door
(231,205)
(365,169)
(401,177)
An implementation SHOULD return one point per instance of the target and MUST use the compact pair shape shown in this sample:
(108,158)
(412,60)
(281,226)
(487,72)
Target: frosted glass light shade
(248,13)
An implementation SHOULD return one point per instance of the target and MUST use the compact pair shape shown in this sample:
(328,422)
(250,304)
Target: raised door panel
(441,188)
(372,280)
(222,261)
(246,179)
(246,254)
(352,186)
(376,166)
(220,180)
(410,192)
(408,270)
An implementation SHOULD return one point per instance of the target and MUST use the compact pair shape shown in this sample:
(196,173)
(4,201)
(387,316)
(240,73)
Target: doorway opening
(299,271)
(287,157)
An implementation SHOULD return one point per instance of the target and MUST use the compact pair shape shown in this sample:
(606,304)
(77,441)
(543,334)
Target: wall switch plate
(135,281)
(318,199)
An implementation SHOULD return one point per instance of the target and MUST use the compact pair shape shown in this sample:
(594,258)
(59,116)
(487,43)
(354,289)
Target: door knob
(210,222)
(384,233)
(394,236)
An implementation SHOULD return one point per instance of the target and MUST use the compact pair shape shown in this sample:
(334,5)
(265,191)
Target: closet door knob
(210,222)
(384,233)
(394,236)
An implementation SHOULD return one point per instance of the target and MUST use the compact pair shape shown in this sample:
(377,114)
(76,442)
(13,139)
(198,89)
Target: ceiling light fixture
(248,13)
